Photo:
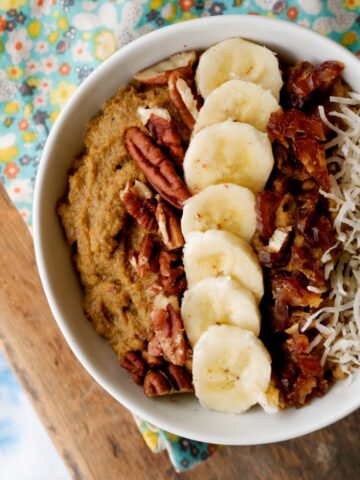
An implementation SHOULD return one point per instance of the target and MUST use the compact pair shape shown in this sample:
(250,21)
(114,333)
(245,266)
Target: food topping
(303,81)
(159,74)
(139,206)
(183,99)
(157,168)
(163,129)
(337,325)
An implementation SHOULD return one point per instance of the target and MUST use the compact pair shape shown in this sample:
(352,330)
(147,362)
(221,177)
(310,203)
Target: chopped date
(312,155)
(292,200)
(306,209)
(303,79)
(289,167)
(285,125)
(266,205)
(322,233)
(301,260)
(297,343)
(290,291)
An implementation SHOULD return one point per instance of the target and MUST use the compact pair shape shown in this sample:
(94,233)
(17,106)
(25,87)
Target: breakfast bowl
(180,414)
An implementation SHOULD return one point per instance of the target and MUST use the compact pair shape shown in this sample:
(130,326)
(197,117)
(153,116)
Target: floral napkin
(48,47)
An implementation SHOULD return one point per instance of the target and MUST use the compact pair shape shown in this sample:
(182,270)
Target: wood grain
(97,437)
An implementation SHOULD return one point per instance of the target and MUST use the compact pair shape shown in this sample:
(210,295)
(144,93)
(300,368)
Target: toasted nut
(279,239)
(138,207)
(158,170)
(180,378)
(147,260)
(151,360)
(154,347)
(169,330)
(172,273)
(183,99)
(135,365)
(163,130)
(169,226)
(158,74)
(156,384)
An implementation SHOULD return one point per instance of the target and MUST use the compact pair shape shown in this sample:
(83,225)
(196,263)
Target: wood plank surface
(95,435)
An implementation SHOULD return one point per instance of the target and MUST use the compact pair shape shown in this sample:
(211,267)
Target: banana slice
(231,369)
(215,301)
(224,207)
(238,59)
(228,152)
(217,253)
(240,101)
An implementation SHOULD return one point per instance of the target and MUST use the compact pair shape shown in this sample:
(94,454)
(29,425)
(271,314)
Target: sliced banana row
(228,160)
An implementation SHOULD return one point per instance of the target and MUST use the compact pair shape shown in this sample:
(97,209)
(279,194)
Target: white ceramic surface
(181,415)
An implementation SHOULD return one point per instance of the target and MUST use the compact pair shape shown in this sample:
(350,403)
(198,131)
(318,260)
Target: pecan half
(183,99)
(147,260)
(172,273)
(180,378)
(135,365)
(158,74)
(138,206)
(157,168)
(156,384)
(169,226)
(162,128)
(169,329)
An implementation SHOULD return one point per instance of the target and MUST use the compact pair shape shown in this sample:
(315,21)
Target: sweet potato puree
(102,235)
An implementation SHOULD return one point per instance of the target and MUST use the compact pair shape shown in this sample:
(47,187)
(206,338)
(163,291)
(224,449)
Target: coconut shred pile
(338,326)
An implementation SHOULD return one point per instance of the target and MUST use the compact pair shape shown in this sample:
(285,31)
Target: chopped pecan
(172,273)
(279,239)
(180,378)
(162,128)
(154,347)
(303,79)
(156,384)
(274,254)
(157,168)
(183,99)
(169,226)
(287,125)
(169,330)
(312,155)
(151,360)
(158,74)
(139,207)
(147,259)
(135,365)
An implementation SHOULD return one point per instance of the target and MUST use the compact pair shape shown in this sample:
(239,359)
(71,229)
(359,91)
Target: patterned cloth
(47,47)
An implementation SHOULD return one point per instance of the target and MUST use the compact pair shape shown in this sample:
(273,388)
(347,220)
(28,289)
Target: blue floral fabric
(48,47)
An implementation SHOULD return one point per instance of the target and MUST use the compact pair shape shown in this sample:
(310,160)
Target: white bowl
(182,414)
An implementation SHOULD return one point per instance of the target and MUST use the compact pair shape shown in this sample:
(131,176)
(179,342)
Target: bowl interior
(178,414)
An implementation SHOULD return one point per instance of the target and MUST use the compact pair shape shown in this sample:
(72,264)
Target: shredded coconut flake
(338,326)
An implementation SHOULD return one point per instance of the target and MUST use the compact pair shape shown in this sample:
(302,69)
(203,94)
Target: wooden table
(95,435)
